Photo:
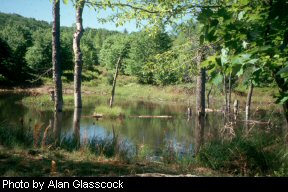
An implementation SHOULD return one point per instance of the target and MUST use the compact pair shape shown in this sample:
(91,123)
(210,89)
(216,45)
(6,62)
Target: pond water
(156,135)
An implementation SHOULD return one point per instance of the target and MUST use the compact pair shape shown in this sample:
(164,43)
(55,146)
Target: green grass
(44,101)
(108,112)
(14,135)
(258,155)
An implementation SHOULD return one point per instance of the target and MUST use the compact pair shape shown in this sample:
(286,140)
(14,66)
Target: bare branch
(40,76)
(175,11)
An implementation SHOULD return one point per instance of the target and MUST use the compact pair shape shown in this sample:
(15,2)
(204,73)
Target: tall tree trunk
(248,102)
(200,88)
(200,104)
(58,98)
(229,95)
(78,54)
(114,82)
(225,92)
(285,108)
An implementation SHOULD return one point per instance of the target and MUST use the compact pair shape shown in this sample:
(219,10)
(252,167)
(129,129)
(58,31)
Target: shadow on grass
(21,163)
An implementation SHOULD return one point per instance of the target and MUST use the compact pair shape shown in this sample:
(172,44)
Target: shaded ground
(61,163)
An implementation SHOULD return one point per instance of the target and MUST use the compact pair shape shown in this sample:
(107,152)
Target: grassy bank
(22,153)
(98,87)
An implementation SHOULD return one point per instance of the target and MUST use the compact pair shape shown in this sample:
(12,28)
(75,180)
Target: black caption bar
(137,184)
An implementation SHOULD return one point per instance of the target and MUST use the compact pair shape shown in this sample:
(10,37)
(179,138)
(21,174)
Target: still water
(178,134)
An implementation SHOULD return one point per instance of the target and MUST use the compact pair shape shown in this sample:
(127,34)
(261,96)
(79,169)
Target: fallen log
(97,116)
(151,116)
(256,122)
(207,110)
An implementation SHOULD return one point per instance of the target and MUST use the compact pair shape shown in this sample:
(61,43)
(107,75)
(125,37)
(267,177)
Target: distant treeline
(26,48)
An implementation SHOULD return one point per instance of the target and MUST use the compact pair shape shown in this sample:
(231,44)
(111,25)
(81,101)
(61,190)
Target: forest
(200,89)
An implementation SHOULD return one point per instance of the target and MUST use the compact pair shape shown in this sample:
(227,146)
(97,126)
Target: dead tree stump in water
(52,95)
(236,106)
(189,112)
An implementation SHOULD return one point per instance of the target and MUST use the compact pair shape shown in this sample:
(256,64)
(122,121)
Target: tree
(38,56)
(58,103)
(113,47)
(5,61)
(90,58)
(115,50)
(257,33)
(67,61)
(141,63)
(78,54)
(18,38)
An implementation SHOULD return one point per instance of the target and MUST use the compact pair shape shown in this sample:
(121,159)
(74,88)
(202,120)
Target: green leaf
(284,70)
(236,60)
(65,2)
(252,61)
(217,79)
(240,72)
(282,100)
(246,56)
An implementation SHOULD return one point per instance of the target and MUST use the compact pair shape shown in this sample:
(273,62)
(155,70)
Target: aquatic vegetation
(108,112)
(255,155)
(14,135)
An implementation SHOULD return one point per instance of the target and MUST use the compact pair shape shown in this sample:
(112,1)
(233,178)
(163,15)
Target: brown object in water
(149,116)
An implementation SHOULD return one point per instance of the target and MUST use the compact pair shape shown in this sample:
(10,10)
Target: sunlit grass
(108,112)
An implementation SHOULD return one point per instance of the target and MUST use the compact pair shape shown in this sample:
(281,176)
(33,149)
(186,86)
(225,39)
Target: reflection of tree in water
(57,126)
(76,127)
(199,133)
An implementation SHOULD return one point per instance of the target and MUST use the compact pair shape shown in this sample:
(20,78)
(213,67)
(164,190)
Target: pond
(152,137)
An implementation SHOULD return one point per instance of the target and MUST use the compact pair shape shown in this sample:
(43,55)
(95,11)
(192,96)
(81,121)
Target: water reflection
(57,127)
(177,136)
(76,126)
(199,133)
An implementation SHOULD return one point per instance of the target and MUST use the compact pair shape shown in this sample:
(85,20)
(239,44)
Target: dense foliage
(26,48)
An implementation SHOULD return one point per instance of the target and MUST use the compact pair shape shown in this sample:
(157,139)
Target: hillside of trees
(26,48)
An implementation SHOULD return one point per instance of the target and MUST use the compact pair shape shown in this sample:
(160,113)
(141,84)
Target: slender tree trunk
(225,92)
(236,108)
(230,90)
(58,98)
(78,54)
(208,96)
(114,82)
(285,109)
(200,88)
(248,102)
(200,104)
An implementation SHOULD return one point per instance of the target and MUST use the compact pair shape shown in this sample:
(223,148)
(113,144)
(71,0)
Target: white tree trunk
(78,54)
